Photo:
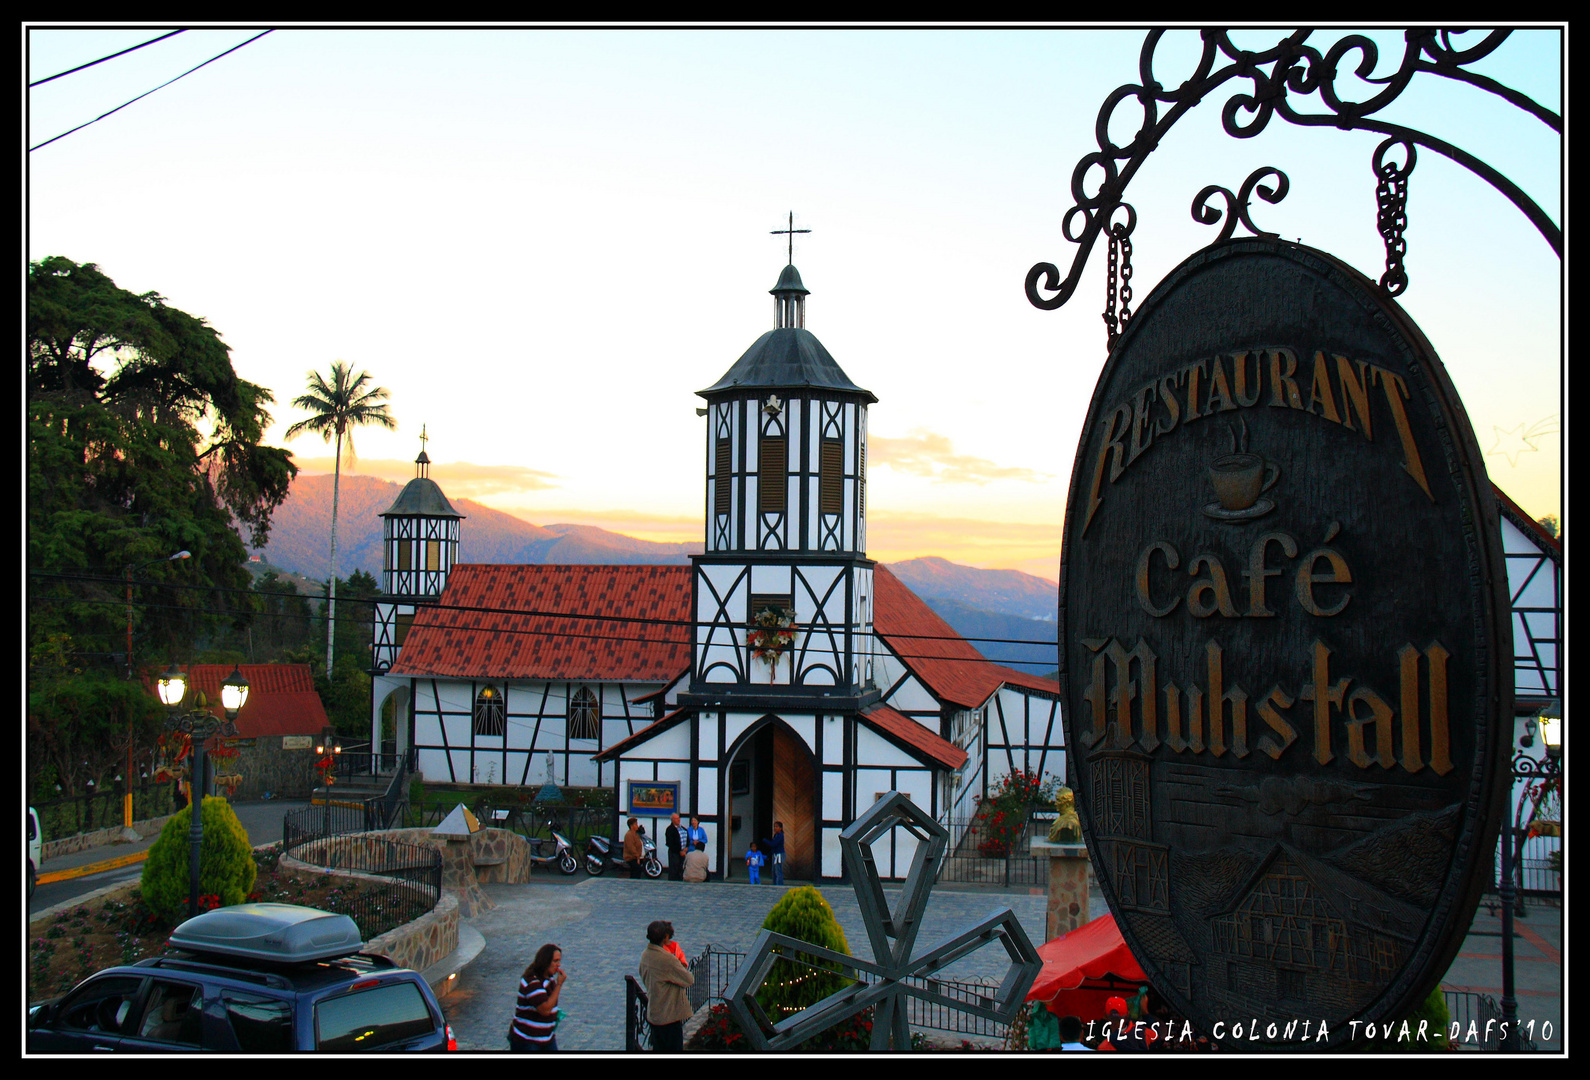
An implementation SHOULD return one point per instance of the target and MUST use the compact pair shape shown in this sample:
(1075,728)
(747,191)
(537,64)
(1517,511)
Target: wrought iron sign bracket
(1281,75)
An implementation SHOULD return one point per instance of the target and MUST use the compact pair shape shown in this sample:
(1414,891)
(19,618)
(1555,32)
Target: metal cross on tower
(792,230)
(895,974)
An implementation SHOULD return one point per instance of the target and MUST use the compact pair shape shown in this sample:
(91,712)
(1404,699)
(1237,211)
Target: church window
(720,477)
(585,715)
(761,602)
(831,477)
(772,474)
(433,554)
(490,714)
(403,622)
(405,555)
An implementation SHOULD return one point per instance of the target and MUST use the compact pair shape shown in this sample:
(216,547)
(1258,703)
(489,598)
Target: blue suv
(252,979)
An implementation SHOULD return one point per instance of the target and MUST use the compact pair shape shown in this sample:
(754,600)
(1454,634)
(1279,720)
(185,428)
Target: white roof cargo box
(274,933)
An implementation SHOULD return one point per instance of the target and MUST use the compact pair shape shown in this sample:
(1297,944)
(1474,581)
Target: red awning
(1091,952)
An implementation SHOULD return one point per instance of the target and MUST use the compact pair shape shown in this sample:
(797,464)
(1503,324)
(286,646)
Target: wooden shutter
(861,483)
(831,477)
(720,478)
(772,474)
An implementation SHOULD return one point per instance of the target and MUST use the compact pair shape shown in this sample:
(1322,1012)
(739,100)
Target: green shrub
(226,862)
(791,986)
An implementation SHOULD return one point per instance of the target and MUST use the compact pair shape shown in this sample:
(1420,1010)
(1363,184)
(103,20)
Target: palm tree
(339,406)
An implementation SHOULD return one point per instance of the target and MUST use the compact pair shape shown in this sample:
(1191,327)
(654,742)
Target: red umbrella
(1090,954)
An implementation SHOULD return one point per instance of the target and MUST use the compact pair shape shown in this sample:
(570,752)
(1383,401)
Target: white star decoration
(1521,439)
(1511,444)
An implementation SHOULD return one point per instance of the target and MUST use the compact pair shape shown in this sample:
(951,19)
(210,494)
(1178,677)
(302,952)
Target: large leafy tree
(142,441)
(336,406)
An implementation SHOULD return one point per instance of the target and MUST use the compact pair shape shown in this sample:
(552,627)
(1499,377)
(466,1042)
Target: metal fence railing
(714,969)
(1479,1013)
(533,821)
(982,855)
(413,873)
(76,814)
(637,1029)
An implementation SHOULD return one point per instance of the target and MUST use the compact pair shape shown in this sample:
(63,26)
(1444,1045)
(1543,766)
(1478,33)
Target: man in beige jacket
(665,979)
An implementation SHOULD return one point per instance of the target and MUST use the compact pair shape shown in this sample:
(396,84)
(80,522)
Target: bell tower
(785,477)
(420,545)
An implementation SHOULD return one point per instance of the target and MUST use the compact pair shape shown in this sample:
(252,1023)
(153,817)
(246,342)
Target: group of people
(664,972)
(687,851)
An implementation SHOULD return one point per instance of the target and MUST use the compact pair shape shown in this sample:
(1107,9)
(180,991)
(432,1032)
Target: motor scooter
(599,852)
(561,856)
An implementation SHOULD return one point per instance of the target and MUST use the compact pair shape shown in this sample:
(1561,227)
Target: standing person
(665,977)
(676,838)
(697,864)
(753,864)
(634,848)
(535,1016)
(1071,1034)
(697,835)
(775,852)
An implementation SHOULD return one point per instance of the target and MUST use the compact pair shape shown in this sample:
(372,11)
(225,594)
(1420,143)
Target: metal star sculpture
(894,975)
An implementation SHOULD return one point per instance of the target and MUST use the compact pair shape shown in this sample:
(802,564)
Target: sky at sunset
(543,242)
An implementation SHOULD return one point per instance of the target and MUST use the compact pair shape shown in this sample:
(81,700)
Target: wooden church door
(794,803)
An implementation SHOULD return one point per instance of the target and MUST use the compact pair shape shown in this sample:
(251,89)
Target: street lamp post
(330,744)
(1524,767)
(127,797)
(200,726)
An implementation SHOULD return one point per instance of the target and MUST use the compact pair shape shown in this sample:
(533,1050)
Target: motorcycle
(599,851)
(562,855)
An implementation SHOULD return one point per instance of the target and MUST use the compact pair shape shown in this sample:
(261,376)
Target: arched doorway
(772,777)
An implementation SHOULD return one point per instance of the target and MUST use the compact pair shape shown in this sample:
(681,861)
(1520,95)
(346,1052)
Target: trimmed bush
(804,914)
(226,862)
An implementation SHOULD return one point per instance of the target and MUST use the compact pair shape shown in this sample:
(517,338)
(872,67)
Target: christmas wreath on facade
(772,634)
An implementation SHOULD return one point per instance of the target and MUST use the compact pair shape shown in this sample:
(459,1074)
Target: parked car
(35,848)
(252,979)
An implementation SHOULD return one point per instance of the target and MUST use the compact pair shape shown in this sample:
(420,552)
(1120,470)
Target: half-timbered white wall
(430,546)
(833,607)
(1023,731)
(536,714)
(805,422)
(1533,585)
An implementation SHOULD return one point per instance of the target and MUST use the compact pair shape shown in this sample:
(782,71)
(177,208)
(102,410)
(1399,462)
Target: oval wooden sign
(1285,647)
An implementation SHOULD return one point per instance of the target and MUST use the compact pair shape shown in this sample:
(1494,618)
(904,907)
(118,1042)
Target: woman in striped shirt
(535,1017)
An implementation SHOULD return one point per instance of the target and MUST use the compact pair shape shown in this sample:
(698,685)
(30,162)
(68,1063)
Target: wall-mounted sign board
(1285,644)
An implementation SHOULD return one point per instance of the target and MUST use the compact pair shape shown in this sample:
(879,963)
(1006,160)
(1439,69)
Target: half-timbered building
(782,676)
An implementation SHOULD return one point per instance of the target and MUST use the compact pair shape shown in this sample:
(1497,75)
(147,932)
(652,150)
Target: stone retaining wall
(66,845)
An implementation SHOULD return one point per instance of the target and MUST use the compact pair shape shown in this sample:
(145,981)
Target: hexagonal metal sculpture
(894,975)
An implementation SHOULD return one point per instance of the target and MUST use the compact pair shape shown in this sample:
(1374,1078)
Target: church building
(782,676)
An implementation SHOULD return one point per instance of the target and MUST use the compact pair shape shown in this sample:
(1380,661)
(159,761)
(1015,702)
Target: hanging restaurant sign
(1284,645)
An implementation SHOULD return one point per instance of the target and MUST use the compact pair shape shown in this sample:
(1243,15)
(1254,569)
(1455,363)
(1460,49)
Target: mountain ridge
(1002,604)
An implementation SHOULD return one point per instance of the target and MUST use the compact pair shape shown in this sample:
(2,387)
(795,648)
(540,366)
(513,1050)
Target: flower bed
(66,948)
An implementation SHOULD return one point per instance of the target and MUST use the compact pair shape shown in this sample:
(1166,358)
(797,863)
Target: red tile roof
(281,697)
(913,734)
(930,647)
(504,641)
(1548,543)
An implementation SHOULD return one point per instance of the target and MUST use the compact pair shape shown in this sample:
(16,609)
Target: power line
(146,93)
(640,620)
(102,59)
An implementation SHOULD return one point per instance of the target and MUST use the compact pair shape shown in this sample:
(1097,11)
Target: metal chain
(1391,194)
(1126,278)
(1118,283)
(1111,325)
